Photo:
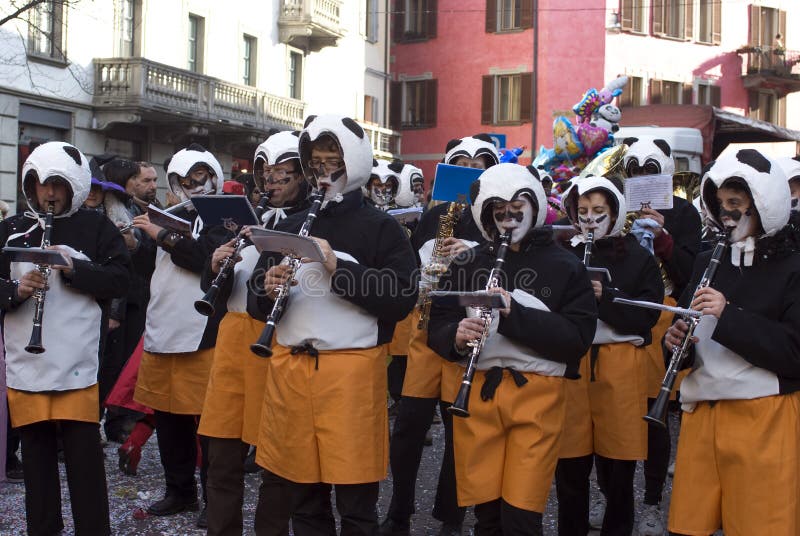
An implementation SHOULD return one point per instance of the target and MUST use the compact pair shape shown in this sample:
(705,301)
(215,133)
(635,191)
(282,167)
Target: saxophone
(437,265)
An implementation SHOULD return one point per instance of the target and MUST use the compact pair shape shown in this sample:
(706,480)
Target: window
(126,22)
(414,20)
(248,60)
(413,104)
(505,15)
(709,27)
(46,30)
(371,21)
(708,93)
(371,109)
(507,98)
(673,18)
(295,75)
(666,92)
(631,15)
(766,24)
(631,93)
(766,106)
(196,38)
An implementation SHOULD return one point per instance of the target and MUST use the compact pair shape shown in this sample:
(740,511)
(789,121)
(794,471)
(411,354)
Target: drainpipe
(535,77)
(386,78)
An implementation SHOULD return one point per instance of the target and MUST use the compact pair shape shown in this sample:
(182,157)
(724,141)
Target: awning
(718,127)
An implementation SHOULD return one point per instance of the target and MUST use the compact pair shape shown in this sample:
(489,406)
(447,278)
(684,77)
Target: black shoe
(250,465)
(172,504)
(450,530)
(14,472)
(428,438)
(391,527)
(202,519)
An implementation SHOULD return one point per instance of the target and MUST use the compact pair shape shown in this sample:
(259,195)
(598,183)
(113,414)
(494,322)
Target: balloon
(510,156)
(587,105)
(566,143)
(592,137)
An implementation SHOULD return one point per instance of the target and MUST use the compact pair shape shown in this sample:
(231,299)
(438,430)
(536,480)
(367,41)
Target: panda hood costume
(409,177)
(648,156)
(185,162)
(791,167)
(769,189)
(602,229)
(57,159)
(387,173)
(507,182)
(279,148)
(479,145)
(356,152)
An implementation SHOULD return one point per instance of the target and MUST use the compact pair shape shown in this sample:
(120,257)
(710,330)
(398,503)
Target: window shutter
(487,100)
(395,105)
(491,16)
(526,94)
(429,118)
(525,14)
(782,25)
(397,20)
(655,91)
(755,25)
(752,98)
(688,21)
(716,23)
(688,91)
(658,16)
(716,96)
(626,14)
(430,18)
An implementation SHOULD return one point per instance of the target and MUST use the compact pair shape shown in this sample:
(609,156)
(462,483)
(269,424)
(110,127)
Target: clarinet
(263,346)
(587,252)
(206,305)
(35,344)
(658,412)
(460,407)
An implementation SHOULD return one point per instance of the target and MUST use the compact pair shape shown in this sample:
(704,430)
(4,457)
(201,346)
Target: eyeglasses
(190,183)
(331,164)
(279,176)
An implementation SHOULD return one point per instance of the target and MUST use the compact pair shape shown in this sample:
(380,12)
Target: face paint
(517,217)
(740,225)
(334,181)
(599,225)
(795,204)
(381,194)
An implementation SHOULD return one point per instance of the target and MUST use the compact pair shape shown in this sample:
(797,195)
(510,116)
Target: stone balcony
(133,90)
(310,24)
(385,142)
(771,68)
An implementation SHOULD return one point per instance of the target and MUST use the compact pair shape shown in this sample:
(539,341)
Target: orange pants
(174,383)
(402,336)
(25,407)
(737,467)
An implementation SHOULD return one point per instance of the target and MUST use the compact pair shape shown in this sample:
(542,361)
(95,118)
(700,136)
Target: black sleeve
(770,344)
(685,231)
(8,289)
(647,286)
(192,254)
(685,300)
(258,304)
(387,290)
(563,334)
(109,277)
(143,258)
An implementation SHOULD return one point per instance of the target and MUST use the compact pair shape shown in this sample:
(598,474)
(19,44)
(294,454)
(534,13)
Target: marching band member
(232,408)
(57,389)
(606,404)
(737,461)
(506,451)
(324,421)
(383,184)
(178,341)
(422,389)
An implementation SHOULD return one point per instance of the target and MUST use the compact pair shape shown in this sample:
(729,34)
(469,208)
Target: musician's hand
(172,199)
(66,270)
(221,253)
(597,286)
(247,231)
(469,329)
(275,277)
(28,283)
(143,222)
(327,250)
(130,239)
(113,324)
(453,246)
(657,217)
(676,333)
(504,292)
(709,302)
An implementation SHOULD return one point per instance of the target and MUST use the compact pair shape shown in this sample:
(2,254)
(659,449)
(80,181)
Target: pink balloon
(593,138)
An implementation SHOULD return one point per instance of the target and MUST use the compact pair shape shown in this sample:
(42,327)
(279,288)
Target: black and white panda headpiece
(648,156)
(185,161)
(276,149)
(408,177)
(790,166)
(479,145)
(387,171)
(505,182)
(767,182)
(57,159)
(587,185)
(353,141)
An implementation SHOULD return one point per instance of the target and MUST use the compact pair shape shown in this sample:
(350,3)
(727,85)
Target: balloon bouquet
(575,145)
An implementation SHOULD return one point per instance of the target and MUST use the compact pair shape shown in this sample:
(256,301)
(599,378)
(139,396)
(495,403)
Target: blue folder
(451,183)
(232,211)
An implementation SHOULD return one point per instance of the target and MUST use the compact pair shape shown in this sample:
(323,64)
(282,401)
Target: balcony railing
(312,24)
(385,142)
(771,68)
(147,86)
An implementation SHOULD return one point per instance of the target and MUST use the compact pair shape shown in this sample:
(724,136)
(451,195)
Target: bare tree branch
(21,10)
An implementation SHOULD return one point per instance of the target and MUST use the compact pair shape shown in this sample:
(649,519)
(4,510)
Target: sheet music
(649,191)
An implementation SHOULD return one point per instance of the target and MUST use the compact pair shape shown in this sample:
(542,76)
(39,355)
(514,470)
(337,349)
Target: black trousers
(615,478)
(396,373)
(498,518)
(177,447)
(12,438)
(657,462)
(405,453)
(86,477)
(225,486)
(309,508)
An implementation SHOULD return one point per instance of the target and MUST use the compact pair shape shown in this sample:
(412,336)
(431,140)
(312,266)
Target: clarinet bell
(205,305)
(35,343)
(263,346)
(658,412)
(460,407)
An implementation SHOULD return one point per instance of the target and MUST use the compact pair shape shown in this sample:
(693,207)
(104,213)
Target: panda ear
(296,133)
(707,167)
(474,190)
(196,147)
(664,146)
(396,165)
(484,137)
(73,153)
(308,120)
(630,141)
(533,171)
(452,144)
(374,163)
(754,159)
(353,127)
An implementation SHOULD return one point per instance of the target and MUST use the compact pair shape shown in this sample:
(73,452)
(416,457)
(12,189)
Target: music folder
(231,211)
(164,219)
(52,257)
(480,298)
(405,215)
(451,183)
(287,244)
(599,274)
